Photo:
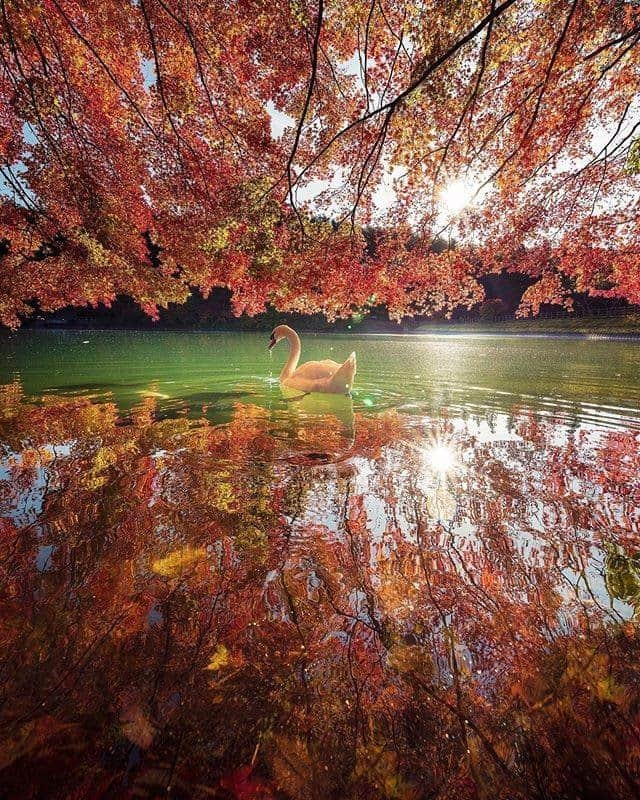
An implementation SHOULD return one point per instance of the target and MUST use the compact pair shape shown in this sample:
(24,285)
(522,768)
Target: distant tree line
(503,293)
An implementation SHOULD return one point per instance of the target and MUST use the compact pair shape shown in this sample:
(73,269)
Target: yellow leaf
(219,659)
(176,562)
(608,690)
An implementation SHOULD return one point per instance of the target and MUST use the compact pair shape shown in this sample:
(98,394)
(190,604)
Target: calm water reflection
(430,590)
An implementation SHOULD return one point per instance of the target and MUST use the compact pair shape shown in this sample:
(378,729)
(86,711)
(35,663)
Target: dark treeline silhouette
(503,292)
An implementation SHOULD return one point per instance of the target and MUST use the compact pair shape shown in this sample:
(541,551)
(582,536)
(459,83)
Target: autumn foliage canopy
(296,152)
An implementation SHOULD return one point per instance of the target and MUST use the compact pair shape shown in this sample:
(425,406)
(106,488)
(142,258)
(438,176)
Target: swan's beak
(272,343)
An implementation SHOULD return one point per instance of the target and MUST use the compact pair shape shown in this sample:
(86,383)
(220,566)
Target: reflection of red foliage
(243,785)
(218,615)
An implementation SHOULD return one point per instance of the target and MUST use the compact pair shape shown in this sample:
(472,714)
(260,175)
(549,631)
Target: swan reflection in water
(322,424)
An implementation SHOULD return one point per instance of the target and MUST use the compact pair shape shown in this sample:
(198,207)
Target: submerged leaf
(178,561)
(137,727)
(219,659)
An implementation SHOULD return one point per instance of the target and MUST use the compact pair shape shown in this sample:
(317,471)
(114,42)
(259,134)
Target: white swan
(313,376)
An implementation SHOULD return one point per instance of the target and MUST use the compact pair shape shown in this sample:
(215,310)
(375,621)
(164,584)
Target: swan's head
(278,333)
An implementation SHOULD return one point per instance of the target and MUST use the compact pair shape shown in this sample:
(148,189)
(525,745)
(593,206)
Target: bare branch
(305,110)
(613,43)
(429,70)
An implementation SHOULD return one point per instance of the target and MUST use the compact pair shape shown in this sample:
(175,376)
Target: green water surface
(573,379)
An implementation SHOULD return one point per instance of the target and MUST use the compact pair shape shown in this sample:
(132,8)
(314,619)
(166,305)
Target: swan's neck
(294,356)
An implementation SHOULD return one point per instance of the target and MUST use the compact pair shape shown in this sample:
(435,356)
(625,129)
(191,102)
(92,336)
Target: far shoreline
(454,331)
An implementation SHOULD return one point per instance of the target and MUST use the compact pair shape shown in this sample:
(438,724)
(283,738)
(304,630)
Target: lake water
(427,590)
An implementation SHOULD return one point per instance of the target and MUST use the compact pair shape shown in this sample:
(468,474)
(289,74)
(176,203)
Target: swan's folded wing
(316,370)
(342,379)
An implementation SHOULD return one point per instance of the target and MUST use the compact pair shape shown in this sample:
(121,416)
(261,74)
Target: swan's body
(313,376)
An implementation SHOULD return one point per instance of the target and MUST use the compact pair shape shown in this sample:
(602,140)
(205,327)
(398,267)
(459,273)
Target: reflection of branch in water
(463,716)
(464,721)
(49,702)
(421,641)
